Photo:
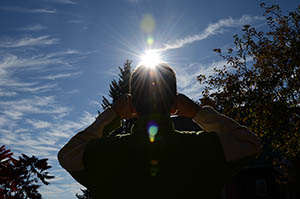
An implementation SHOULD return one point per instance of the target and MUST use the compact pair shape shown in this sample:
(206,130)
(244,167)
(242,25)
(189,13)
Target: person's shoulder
(110,141)
(121,137)
(192,133)
(196,137)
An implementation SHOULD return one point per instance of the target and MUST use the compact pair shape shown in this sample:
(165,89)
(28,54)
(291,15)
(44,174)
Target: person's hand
(185,106)
(124,108)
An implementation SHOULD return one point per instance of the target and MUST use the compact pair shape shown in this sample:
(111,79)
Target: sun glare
(150,59)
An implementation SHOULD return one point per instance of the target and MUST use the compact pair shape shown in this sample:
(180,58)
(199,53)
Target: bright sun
(150,58)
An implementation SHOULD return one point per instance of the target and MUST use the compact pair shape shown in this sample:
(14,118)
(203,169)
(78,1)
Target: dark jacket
(176,165)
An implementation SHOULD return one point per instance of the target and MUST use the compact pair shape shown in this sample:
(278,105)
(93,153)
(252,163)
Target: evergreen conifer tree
(117,89)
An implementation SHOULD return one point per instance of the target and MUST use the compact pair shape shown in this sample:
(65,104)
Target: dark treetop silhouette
(154,160)
(260,83)
(19,178)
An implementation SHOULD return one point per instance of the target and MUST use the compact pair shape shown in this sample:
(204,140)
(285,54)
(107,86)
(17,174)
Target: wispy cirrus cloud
(48,136)
(3,121)
(66,129)
(64,190)
(29,41)
(10,63)
(4,93)
(73,91)
(16,109)
(188,83)
(36,27)
(34,120)
(61,75)
(14,112)
(38,124)
(38,89)
(62,1)
(28,10)
(13,108)
(211,29)
(95,103)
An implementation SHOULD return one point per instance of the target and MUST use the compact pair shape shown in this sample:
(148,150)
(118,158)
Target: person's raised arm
(237,141)
(71,155)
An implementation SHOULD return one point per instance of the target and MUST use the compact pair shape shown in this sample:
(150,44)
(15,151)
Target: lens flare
(148,23)
(150,41)
(150,58)
(152,130)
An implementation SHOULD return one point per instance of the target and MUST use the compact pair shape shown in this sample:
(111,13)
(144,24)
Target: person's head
(153,89)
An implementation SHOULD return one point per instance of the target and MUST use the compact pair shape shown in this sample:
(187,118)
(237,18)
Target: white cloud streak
(16,109)
(59,76)
(29,41)
(63,1)
(12,114)
(27,10)
(36,27)
(10,63)
(95,103)
(188,83)
(212,29)
(38,89)
(38,124)
(66,129)
(62,190)
(48,137)
(3,121)
(73,91)
(4,93)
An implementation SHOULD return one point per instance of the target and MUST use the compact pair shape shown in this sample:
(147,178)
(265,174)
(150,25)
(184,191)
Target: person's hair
(153,89)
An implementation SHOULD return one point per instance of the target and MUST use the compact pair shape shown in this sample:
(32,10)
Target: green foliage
(19,177)
(260,84)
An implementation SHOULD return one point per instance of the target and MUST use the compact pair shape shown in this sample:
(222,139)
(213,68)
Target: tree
(120,87)
(19,177)
(260,84)
(117,89)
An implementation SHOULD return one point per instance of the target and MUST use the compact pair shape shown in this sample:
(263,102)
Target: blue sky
(57,58)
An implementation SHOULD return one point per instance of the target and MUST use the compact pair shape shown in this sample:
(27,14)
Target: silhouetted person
(154,160)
